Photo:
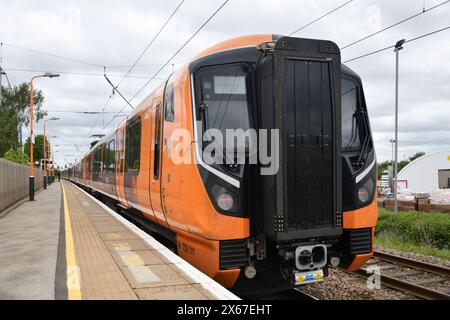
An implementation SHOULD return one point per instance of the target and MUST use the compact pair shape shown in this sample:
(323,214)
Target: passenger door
(132,159)
(155,170)
(171,173)
(120,165)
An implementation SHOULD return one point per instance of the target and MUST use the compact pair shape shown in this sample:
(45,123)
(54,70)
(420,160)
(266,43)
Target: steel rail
(305,295)
(410,287)
(414,289)
(412,263)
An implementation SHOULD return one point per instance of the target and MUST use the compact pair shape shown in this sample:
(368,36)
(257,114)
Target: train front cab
(359,175)
(320,207)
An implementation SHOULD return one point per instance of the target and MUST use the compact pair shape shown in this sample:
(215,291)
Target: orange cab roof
(242,41)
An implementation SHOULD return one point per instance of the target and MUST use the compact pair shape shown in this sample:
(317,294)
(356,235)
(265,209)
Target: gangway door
(300,96)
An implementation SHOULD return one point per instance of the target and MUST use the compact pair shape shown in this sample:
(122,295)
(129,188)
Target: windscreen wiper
(366,143)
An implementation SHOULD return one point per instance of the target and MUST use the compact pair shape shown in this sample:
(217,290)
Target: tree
(14,114)
(38,147)
(401,164)
(416,156)
(382,167)
(8,130)
(18,156)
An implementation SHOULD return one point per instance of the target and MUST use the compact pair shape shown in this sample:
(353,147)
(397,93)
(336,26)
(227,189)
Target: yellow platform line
(73,270)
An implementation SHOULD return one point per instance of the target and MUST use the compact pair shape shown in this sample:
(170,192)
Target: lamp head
(399,45)
(51,75)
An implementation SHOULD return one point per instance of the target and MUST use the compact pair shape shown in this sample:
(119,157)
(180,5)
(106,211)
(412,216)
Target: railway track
(423,280)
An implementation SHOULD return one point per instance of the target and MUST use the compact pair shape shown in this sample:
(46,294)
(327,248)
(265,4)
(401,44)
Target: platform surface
(29,238)
(68,245)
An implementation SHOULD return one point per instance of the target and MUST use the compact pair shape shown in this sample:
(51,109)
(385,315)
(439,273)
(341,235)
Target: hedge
(432,229)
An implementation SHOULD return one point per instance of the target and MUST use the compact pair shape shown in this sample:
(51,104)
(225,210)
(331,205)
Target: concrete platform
(29,240)
(68,245)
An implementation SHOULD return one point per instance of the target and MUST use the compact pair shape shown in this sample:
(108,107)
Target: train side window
(133,146)
(120,153)
(111,156)
(97,161)
(157,142)
(88,167)
(168,104)
(100,158)
(108,158)
(105,158)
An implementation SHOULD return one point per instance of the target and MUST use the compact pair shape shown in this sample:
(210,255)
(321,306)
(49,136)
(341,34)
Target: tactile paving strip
(115,264)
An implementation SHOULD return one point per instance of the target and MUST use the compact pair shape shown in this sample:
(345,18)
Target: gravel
(416,256)
(341,285)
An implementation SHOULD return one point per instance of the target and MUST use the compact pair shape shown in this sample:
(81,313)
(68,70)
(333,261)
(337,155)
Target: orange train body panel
(362,218)
(359,261)
(202,253)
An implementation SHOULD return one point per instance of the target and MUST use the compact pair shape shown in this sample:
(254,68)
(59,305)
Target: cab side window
(157,141)
(168,104)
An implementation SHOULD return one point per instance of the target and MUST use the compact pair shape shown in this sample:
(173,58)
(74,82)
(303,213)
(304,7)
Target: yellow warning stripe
(73,271)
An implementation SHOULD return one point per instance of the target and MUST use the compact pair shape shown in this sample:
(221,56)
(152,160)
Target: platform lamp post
(31,178)
(49,182)
(398,47)
(47,154)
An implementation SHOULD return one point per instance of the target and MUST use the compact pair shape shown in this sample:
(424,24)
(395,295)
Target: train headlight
(363,195)
(365,192)
(225,199)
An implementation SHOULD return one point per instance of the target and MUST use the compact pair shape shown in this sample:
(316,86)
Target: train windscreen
(351,140)
(223,98)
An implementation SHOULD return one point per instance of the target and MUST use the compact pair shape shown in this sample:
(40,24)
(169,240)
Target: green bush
(420,228)
(17,155)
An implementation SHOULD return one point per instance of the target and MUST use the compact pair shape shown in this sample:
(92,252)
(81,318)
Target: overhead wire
(395,24)
(54,55)
(321,17)
(77,112)
(173,56)
(75,73)
(393,46)
(151,42)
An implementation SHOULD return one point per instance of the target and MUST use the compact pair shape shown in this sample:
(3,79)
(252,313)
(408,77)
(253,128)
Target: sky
(113,33)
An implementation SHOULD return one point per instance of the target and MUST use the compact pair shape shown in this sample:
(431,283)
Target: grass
(419,232)
(393,242)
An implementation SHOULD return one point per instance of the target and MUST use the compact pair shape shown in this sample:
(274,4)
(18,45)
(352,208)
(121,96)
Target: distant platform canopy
(427,173)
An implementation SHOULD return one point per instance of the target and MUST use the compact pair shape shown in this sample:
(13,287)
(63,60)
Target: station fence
(14,179)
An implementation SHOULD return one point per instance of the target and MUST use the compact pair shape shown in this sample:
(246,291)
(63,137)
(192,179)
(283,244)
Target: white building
(427,173)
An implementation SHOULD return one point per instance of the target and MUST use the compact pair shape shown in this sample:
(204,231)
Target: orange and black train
(254,227)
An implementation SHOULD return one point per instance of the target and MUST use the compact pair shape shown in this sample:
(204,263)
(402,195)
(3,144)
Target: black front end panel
(300,96)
